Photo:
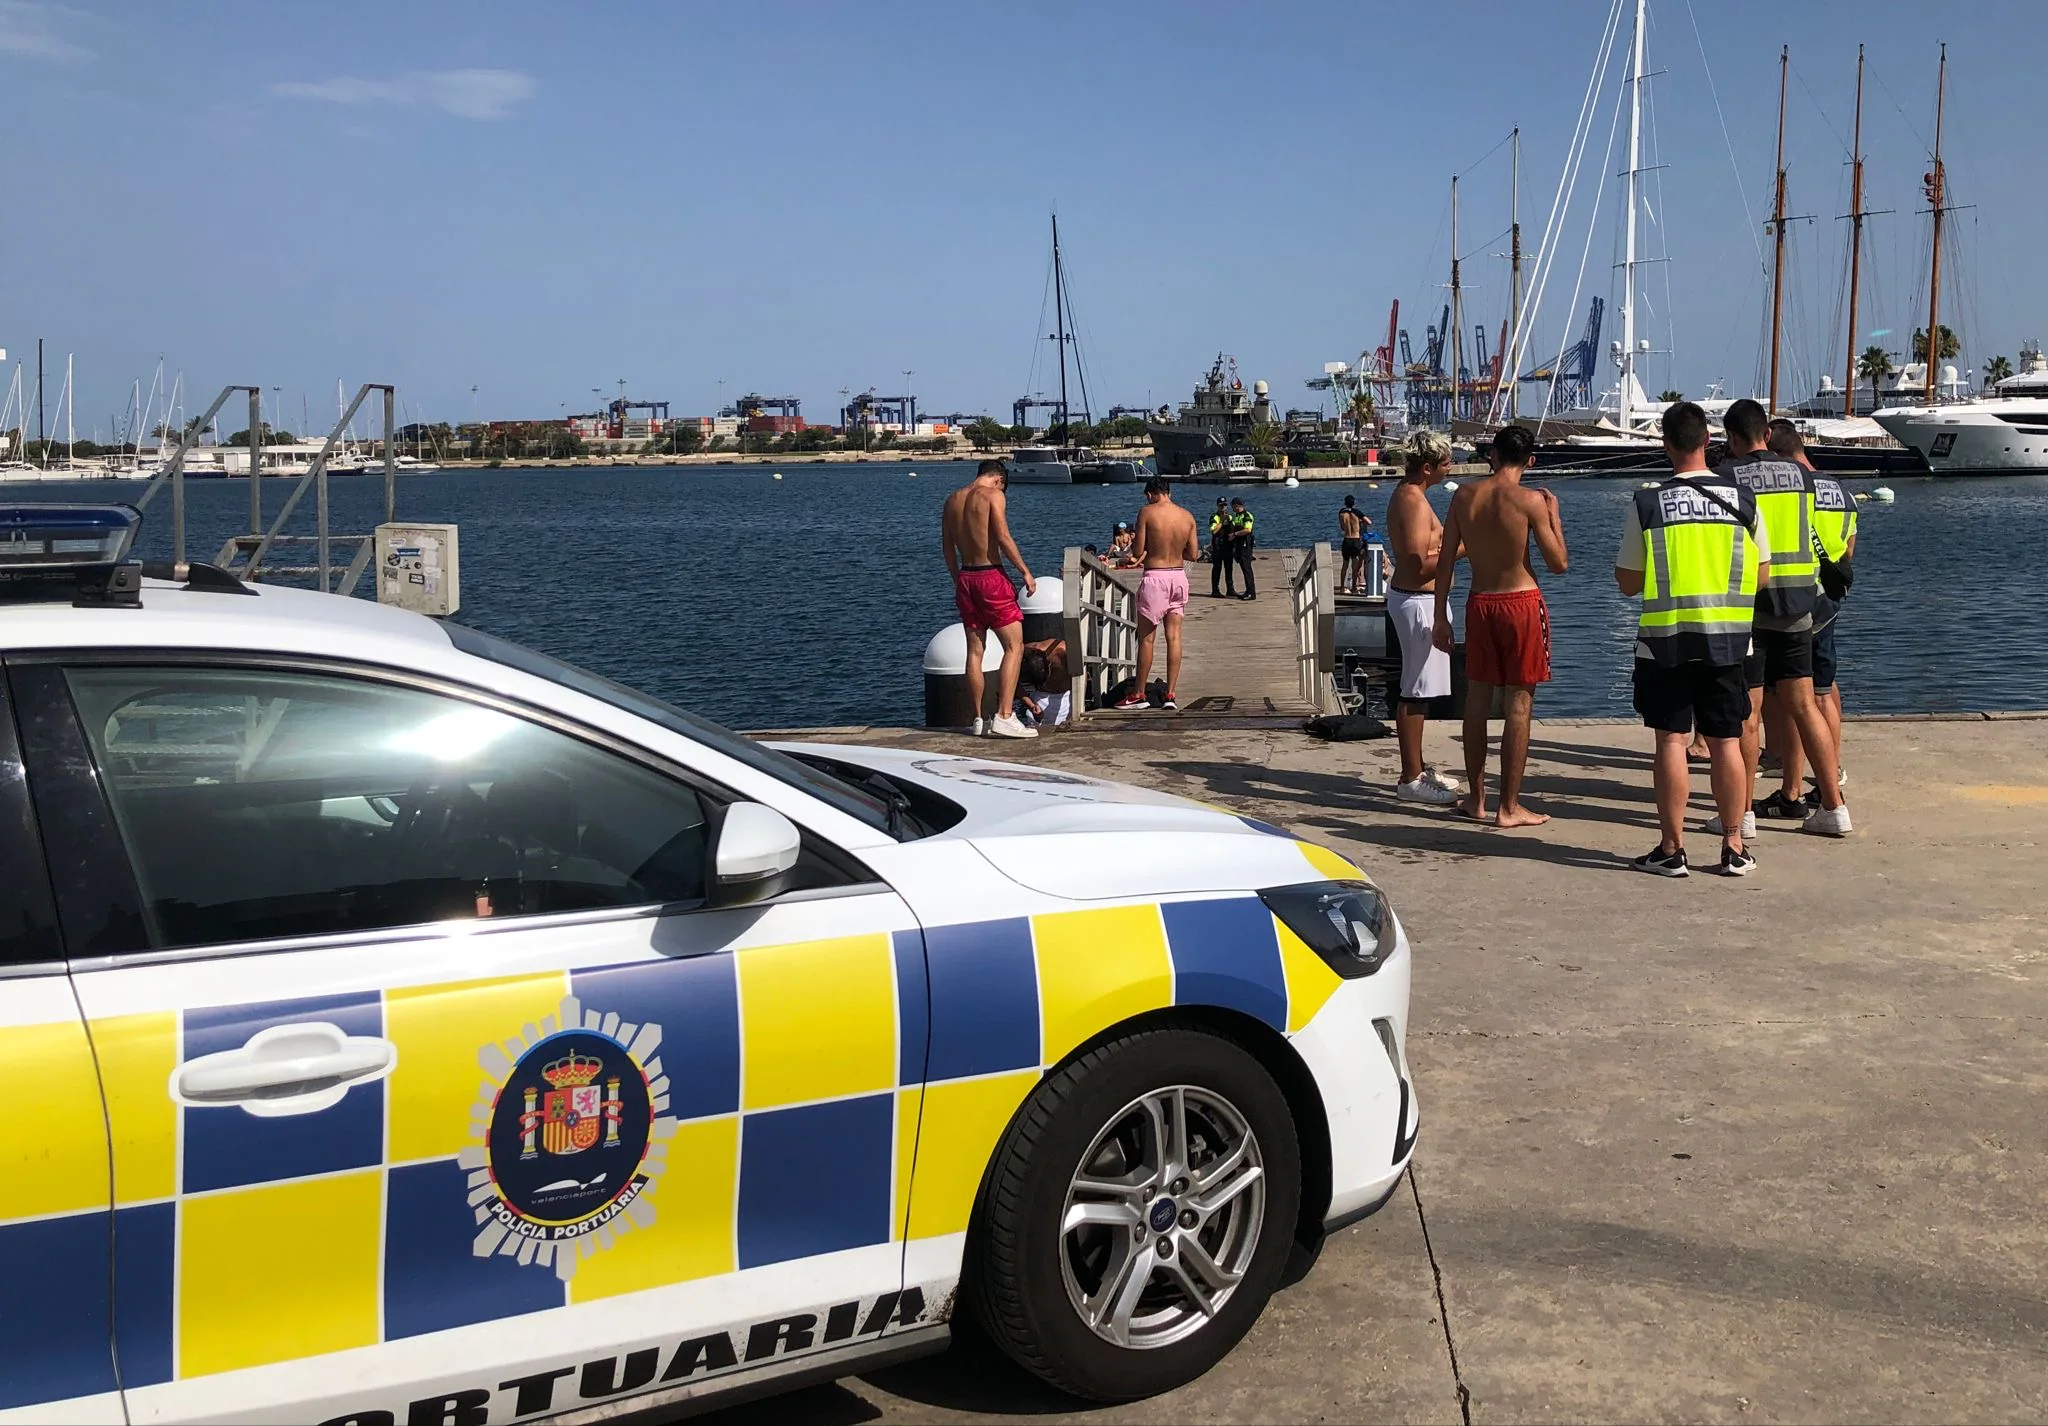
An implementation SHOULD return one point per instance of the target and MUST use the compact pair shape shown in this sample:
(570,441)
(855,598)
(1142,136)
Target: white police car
(402,1027)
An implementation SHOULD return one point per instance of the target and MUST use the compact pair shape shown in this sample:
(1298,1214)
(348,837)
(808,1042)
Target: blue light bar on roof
(64,539)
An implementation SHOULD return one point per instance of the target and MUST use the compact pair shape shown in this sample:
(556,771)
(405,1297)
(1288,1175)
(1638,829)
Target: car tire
(1052,1247)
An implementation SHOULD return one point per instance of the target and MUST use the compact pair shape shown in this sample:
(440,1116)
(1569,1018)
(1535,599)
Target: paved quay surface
(1713,1150)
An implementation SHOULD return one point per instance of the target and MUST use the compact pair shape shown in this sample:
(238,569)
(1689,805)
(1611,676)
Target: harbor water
(808,600)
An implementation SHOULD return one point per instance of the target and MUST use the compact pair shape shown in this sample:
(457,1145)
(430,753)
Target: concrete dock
(1758,1150)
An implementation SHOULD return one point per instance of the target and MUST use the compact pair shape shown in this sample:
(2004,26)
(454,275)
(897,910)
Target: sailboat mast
(1514,275)
(1937,195)
(1628,261)
(1059,315)
(70,410)
(1457,332)
(1778,231)
(1855,241)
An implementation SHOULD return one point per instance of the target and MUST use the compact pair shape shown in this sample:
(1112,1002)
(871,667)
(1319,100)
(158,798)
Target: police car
(402,1026)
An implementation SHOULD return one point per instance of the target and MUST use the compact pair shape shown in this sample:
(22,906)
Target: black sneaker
(1734,863)
(1658,862)
(1780,808)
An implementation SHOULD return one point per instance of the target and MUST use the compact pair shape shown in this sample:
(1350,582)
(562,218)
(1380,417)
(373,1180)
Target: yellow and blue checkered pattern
(809,1082)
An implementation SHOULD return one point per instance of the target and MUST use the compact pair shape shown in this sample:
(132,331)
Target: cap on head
(1238,502)
(1123,527)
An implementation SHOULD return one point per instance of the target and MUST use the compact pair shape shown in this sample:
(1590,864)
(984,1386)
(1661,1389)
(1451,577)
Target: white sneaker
(1449,784)
(1828,822)
(1423,790)
(1713,826)
(1008,726)
(980,729)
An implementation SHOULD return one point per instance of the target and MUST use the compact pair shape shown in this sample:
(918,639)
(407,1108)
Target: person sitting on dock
(1121,543)
(1222,573)
(1353,522)
(1417,537)
(975,530)
(1693,547)
(1047,688)
(1507,624)
(1241,545)
(1166,542)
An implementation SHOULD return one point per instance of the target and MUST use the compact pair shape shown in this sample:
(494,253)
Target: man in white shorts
(1416,536)
(1166,542)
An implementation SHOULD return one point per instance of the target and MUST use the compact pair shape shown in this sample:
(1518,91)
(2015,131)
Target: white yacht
(1039,465)
(2005,433)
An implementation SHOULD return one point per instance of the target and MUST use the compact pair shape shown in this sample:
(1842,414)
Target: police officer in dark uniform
(1221,575)
(1241,544)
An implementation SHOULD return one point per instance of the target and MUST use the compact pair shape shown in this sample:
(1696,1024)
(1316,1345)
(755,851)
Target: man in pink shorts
(1166,542)
(976,530)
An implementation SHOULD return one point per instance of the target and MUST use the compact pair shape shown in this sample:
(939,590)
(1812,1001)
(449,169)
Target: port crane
(868,410)
(1573,372)
(1023,404)
(619,411)
(755,405)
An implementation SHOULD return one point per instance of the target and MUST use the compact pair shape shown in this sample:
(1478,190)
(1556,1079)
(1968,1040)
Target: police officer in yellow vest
(1692,547)
(1782,656)
(1222,569)
(1241,543)
(1834,533)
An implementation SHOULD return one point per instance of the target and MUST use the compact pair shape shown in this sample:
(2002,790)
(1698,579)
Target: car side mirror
(752,856)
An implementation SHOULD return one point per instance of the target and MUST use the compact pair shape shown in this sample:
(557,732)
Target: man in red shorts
(977,539)
(1507,625)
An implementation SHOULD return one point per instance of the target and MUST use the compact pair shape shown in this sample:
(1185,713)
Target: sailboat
(1066,464)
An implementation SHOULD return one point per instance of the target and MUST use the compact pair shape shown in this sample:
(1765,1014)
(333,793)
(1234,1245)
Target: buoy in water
(1372,485)
(1647,485)
(1861,496)
(1883,495)
(777,475)
(1293,482)
(913,475)
(1450,485)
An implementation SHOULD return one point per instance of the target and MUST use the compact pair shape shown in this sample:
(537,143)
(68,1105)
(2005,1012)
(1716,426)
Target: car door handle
(285,1069)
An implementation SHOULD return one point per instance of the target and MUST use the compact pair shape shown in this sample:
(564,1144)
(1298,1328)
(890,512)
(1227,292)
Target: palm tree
(1996,370)
(1874,365)
(1364,415)
(1673,396)
(1949,344)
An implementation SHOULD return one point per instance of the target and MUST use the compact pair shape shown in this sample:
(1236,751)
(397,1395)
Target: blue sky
(537,201)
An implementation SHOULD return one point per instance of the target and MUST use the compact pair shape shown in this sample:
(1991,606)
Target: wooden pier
(1265,658)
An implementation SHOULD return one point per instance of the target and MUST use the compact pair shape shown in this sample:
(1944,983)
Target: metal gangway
(264,551)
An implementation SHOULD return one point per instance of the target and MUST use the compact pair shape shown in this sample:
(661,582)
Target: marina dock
(1716,1150)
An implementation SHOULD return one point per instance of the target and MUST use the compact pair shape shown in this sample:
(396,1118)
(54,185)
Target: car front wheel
(1138,1216)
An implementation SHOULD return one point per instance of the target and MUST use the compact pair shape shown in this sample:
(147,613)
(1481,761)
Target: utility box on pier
(419,568)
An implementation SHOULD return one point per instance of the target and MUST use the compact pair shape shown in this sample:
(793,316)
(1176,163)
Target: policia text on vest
(1702,569)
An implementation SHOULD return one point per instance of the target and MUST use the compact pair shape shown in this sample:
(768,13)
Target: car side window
(256,805)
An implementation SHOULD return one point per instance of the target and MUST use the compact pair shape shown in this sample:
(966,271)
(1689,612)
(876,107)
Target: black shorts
(1672,699)
(1824,657)
(1776,655)
(1354,547)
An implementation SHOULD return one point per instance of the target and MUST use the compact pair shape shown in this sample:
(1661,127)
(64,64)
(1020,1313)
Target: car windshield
(816,781)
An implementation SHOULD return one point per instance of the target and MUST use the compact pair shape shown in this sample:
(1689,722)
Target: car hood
(1090,839)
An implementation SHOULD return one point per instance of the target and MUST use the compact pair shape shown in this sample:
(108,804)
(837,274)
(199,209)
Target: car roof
(277,619)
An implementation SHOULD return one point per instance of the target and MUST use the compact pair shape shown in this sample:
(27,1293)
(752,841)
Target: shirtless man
(977,539)
(1507,624)
(1166,542)
(1417,538)
(1352,523)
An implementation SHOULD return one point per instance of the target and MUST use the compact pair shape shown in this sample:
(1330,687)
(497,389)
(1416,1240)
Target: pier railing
(1100,616)
(1312,590)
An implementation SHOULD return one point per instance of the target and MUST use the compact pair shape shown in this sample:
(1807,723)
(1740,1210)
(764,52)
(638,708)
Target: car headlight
(1347,923)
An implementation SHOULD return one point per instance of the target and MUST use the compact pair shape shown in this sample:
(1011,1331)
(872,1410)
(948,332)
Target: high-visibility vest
(1242,523)
(1834,517)
(1699,570)
(1784,499)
